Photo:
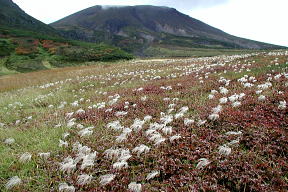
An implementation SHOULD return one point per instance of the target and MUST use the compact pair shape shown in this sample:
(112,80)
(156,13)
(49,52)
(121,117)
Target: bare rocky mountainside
(138,27)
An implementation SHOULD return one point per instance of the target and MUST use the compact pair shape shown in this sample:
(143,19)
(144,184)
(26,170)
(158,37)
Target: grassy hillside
(159,50)
(206,124)
(24,51)
(27,44)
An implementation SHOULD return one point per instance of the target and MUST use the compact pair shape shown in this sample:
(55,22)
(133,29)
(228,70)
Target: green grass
(256,71)
(35,140)
(39,134)
(67,52)
(3,68)
(6,47)
(18,32)
(195,42)
(162,51)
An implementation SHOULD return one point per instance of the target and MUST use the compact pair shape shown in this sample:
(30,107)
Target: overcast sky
(261,20)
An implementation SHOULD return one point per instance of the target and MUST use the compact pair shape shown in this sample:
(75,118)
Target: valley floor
(196,124)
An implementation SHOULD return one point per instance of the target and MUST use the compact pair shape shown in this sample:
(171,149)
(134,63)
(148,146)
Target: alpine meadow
(140,99)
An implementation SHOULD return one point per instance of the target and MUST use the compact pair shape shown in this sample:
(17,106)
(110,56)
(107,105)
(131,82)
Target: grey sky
(261,20)
(187,4)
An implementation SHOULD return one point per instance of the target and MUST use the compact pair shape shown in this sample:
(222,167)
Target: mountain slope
(11,16)
(27,44)
(144,26)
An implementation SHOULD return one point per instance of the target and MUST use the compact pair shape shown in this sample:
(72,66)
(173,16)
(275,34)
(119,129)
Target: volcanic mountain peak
(135,28)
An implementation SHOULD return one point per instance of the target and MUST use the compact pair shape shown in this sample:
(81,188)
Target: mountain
(13,17)
(27,44)
(136,28)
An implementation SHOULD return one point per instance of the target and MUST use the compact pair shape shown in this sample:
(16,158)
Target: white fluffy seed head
(64,187)
(141,149)
(88,160)
(247,85)
(84,179)
(137,125)
(127,131)
(174,137)
(217,109)
(121,138)
(233,133)
(68,165)
(65,135)
(14,181)
(150,131)
(85,132)
(147,118)
(210,96)
(124,155)
(188,122)
(241,96)
(80,126)
(224,150)
(259,92)
(134,187)
(25,157)
(223,100)
(201,122)
(69,115)
(120,165)
(144,98)
(63,143)
(233,142)
(166,119)
(115,125)
(81,149)
(179,115)
(44,156)
(236,104)
(121,113)
(167,130)
(202,163)
(223,90)
(261,98)
(112,153)
(70,124)
(155,136)
(282,105)
(213,117)
(233,98)
(106,179)
(265,86)
(183,109)
(79,112)
(158,141)
(152,175)
(214,92)
(156,126)
(181,112)
(9,141)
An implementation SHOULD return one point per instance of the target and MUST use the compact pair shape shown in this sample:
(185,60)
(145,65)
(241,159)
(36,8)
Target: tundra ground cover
(199,124)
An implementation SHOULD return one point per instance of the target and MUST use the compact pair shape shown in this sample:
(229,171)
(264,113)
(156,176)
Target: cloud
(188,4)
